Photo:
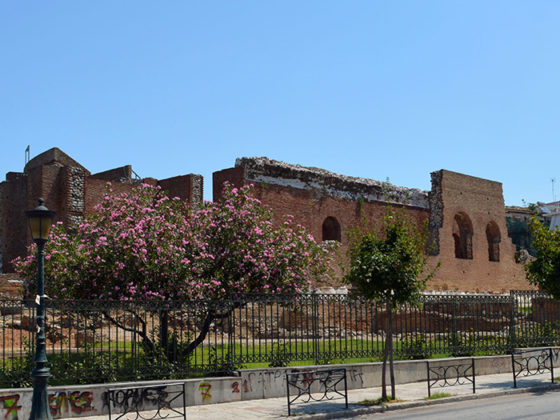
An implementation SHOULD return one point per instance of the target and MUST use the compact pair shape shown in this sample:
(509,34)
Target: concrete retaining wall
(88,400)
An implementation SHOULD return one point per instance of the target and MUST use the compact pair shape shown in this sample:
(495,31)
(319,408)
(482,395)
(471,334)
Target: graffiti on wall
(9,404)
(60,403)
(235,387)
(135,398)
(258,380)
(65,402)
(204,389)
(356,376)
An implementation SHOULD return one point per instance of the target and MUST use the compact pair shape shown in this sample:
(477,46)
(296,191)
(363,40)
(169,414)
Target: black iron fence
(109,341)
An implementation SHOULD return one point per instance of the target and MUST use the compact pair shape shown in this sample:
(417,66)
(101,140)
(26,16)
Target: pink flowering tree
(235,249)
(145,246)
(126,250)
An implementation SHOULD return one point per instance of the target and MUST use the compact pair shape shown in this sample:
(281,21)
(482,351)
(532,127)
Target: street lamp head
(40,221)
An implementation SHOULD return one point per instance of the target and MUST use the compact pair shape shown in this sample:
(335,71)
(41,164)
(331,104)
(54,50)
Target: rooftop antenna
(27,154)
(553,180)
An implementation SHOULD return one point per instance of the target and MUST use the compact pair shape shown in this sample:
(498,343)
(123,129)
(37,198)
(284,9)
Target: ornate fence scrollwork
(316,385)
(450,373)
(529,362)
(148,397)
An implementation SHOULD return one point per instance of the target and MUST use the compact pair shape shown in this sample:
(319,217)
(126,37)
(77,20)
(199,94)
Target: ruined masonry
(466,216)
(72,191)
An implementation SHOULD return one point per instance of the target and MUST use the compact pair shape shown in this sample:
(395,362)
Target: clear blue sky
(369,88)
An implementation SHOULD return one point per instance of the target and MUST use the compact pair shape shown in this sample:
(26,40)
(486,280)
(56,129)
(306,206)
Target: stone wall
(76,196)
(436,213)
(74,401)
(197,189)
(272,172)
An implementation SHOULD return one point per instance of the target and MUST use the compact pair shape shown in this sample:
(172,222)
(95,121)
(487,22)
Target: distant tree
(147,247)
(388,266)
(544,270)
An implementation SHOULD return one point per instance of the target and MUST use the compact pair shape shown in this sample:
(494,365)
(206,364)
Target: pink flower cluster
(145,245)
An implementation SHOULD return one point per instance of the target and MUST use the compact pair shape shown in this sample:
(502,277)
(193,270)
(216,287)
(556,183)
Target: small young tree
(388,266)
(544,270)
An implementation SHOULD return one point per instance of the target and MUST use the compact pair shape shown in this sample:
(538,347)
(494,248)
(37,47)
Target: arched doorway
(331,230)
(462,235)
(493,237)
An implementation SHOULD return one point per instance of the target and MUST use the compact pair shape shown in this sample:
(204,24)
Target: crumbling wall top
(53,156)
(122,174)
(262,169)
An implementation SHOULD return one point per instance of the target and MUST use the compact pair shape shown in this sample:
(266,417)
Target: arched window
(462,235)
(493,236)
(331,229)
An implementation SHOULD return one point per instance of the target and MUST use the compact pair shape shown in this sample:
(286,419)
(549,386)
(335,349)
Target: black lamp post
(40,221)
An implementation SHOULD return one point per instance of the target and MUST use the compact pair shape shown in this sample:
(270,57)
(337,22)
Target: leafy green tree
(388,266)
(544,270)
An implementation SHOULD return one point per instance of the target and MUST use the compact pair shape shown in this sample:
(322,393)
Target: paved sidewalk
(409,395)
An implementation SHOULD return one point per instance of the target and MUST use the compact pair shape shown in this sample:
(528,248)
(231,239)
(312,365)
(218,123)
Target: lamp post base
(40,409)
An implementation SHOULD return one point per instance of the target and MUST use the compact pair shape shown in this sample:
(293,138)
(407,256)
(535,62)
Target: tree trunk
(390,346)
(164,332)
(384,372)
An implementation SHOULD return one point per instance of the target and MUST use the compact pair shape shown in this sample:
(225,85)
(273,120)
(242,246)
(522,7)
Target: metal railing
(108,341)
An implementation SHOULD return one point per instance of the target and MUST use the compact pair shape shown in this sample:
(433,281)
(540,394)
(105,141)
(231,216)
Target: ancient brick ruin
(466,215)
(69,189)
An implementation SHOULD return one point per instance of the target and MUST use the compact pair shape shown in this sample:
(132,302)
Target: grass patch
(379,401)
(371,402)
(438,395)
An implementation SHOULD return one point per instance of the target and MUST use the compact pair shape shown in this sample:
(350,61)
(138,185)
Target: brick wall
(14,229)
(318,199)
(50,157)
(235,176)
(312,195)
(70,190)
(482,202)
(188,188)
(96,189)
(10,286)
(122,174)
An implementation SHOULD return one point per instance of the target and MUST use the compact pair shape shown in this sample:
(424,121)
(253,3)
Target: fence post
(428,377)
(315,326)
(455,339)
(230,339)
(473,377)
(551,364)
(511,334)
(513,370)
